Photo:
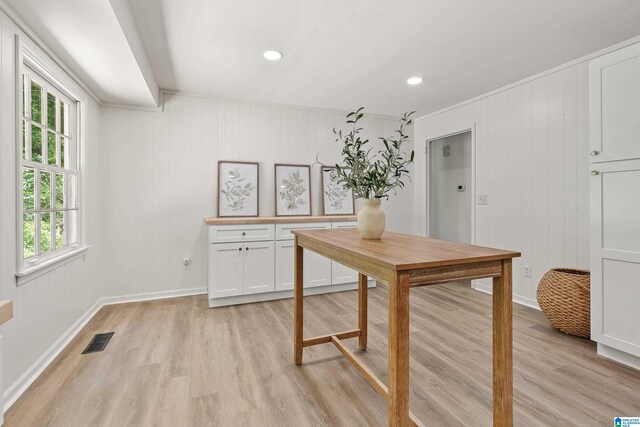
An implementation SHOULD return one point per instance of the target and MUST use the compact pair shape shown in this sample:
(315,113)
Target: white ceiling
(337,54)
(87,36)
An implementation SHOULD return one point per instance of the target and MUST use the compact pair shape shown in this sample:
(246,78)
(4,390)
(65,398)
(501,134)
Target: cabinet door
(317,269)
(339,273)
(615,254)
(225,270)
(615,105)
(258,267)
(284,265)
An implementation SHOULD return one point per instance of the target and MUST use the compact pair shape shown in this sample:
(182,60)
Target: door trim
(425,166)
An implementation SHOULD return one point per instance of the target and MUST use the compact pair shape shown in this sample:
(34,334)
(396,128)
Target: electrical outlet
(186,263)
(482,199)
(527,271)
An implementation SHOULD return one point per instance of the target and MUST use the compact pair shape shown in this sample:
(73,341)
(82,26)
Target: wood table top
(6,311)
(398,251)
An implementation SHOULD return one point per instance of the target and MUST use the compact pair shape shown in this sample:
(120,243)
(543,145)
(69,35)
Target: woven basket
(564,297)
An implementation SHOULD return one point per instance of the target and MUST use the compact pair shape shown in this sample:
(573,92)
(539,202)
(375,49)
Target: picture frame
(292,189)
(336,199)
(238,188)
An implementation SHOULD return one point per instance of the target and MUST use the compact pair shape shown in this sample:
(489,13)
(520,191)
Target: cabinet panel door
(615,105)
(284,265)
(225,270)
(317,269)
(339,273)
(258,267)
(615,255)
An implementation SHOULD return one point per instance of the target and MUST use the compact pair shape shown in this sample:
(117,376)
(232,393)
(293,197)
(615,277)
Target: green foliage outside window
(29,229)
(43,190)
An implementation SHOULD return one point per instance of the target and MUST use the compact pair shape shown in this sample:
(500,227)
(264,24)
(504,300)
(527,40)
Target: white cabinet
(226,262)
(284,265)
(240,269)
(340,273)
(614,139)
(317,269)
(258,267)
(615,255)
(614,103)
(254,262)
(283,231)
(241,233)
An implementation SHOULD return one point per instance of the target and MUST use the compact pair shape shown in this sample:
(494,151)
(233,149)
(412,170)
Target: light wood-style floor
(178,363)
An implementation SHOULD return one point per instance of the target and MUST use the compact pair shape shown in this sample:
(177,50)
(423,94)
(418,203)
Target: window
(49,212)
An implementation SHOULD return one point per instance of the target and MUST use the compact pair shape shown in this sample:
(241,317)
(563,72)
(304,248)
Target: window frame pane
(63,218)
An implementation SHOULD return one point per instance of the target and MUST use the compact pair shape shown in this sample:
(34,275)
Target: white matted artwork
(337,199)
(237,188)
(293,190)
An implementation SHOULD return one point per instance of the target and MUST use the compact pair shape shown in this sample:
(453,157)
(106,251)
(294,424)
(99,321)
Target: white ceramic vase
(371,219)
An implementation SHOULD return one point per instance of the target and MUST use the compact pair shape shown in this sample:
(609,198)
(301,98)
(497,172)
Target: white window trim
(29,54)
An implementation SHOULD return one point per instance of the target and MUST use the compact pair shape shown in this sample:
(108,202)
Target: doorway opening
(450,188)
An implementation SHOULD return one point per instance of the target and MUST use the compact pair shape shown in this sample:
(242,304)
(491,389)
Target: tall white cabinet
(614,139)
(251,259)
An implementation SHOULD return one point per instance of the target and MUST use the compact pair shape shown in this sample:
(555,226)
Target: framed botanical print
(238,186)
(293,190)
(337,200)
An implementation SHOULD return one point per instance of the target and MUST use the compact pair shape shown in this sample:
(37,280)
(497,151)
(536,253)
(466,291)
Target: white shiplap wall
(159,180)
(47,307)
(531,144)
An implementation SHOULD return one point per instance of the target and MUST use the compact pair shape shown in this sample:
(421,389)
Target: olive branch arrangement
(372,176)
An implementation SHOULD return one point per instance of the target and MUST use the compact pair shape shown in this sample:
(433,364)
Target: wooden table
(401,262)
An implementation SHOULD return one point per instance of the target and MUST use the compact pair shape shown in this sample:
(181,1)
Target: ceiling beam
(125,18)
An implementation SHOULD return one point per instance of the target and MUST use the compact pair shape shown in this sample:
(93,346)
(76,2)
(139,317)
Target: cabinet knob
(243,233)
(246,249)
(239,249)
(594,173)
(595,153)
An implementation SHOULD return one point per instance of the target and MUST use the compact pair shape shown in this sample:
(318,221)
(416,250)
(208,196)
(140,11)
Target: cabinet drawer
(348,224)
(240,233)
(283,231)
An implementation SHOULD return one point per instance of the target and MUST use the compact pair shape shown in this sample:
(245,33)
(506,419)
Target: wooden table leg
(362,310)
(398,398)
(297,302)
(502,348)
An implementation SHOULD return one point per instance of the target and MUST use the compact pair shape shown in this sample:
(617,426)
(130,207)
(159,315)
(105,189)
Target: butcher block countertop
(6,311)
(278,219)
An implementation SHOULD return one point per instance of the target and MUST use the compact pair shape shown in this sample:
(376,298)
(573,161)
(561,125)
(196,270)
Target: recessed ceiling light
(272,55)
(415,80)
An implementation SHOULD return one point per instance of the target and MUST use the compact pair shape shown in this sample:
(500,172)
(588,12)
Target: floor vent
(98,343)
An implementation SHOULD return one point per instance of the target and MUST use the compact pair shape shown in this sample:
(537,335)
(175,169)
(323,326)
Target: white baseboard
(29,376)
(619,356)
(518,299)
(16,389)
(150,296)
(271,296)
